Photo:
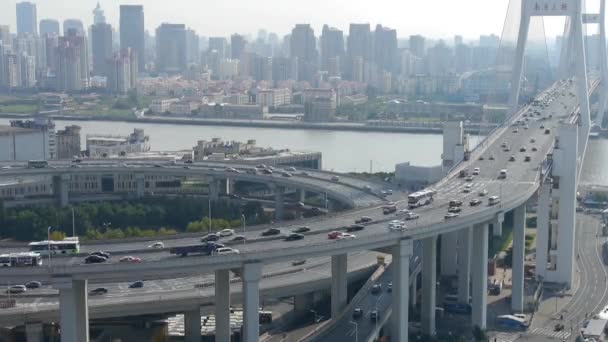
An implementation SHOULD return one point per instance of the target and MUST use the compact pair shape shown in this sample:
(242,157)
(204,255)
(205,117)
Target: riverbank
(417,128)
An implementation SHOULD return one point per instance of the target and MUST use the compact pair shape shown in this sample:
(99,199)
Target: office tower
(332,48)
(439,59)
(458,40)
(192,47)
(51,41)
(220,44)
(284,69)
(98,15)
(462,58)
(49,26)
(385,48)
(171,48)
(357,69)
(11,71)
(262,68)
(417,45)
(27,21)
(101,37)
(303,46)
(75,25)
(132,33)
(122,71)
(237,46)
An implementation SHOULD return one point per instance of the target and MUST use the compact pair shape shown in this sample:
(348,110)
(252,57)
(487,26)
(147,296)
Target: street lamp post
(244,227)
(209,203)
(73,224)
(356,330)
(48,242)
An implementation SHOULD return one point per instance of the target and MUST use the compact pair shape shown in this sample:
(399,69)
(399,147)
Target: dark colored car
(33,284)
(101,254)
(377,288)
(94,259)
(137,285)
(475,202)
(355,228)
(527,158)
(363,219)
(374,315)
(454,209)
(271,231)
(239,238)
(98,291)
(455,203)
(301,230)
(294,237)
(512,158)
(357,313)
(210,237)
(267,171)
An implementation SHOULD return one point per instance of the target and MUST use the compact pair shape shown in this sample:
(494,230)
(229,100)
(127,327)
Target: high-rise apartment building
(237,46)
(11,71)
(385,48)
(192,47)
(101,43)
(49,27)
(27,20)
(132,33)
(303,46)
(332,47)
(171,48)
(417,45)
(122,71)
(72,67)
(27,71)
(5,35)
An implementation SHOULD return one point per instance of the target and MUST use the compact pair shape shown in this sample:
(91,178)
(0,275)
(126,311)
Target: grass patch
(19,109)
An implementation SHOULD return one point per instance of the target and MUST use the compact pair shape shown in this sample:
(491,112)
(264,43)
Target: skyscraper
(122,71)
(101,40)
(303,46)
(132,33)
(192,47)
(332,48)
(237,46)
(171,47)
(98,15)
(72,67)
(220,45)
(359,44)
(385,48)
(417,45)
(49,26)
(27,20)
(73,24)
(5,35)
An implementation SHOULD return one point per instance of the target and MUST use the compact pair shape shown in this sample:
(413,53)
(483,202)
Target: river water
(343,151)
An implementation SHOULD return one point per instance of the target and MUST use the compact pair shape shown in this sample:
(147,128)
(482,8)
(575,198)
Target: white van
(493,200)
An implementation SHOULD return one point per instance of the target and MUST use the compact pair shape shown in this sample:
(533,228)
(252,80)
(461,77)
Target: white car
(467,188)
(476,171)
(483,192)
(226,232)
(129,259)
(226,250)
(403,211)
(157,244)
(412,216)
(345,236)
(16,289)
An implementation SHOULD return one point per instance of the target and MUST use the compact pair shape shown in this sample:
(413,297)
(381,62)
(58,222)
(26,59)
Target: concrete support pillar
(251,275)
(61,189)
(339,284)
(542,229)
(192,326)
(279,203)
(519,246)
(73,309)
(226,186)
(449,243)
(140,181)
(465,243)
(497,224)
(214,189)
(303,303)
(480,275)
(402,253)
(222,305)
(34,332)
(414,292)
(301,195)
(429,286)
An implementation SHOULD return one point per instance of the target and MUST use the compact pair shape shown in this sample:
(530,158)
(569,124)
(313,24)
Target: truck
(204,249)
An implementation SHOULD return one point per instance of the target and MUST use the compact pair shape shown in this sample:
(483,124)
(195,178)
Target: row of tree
(148,217)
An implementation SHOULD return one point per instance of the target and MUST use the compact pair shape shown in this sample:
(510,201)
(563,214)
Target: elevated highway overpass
(524,178)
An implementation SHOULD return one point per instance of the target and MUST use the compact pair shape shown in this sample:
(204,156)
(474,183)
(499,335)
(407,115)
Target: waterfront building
(319,105)
(114,145)
(273,98)
(68,142)
(29,140)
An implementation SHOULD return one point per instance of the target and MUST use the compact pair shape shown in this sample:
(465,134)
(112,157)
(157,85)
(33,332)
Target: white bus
(420,198)
(20,259)
(68,245)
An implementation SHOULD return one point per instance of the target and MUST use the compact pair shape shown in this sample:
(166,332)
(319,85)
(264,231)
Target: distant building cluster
(243,76)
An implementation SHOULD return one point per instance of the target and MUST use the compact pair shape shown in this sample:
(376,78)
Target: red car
(334,235)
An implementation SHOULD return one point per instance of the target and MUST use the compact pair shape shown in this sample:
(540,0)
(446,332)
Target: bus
(512,322)
(37,164)
(420,198)
(20,259)
(69,245)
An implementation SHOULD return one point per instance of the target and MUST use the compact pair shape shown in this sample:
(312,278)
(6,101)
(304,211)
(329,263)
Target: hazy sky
(433,18)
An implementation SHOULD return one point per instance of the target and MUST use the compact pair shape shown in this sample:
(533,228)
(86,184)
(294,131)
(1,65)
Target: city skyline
(211,19)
